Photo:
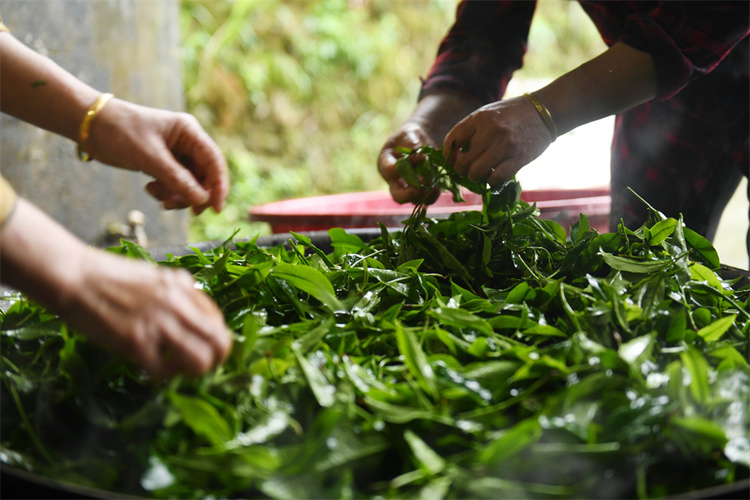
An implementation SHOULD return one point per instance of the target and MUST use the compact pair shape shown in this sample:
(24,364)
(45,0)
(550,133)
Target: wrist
(50,277)
(544,114)
(619,79)
(84,130)
(440,110)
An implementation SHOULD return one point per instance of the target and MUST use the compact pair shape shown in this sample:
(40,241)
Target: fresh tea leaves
(485,355)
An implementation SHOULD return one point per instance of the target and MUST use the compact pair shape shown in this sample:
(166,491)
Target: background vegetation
(301,95)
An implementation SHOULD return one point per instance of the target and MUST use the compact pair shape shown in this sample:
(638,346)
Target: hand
(433,117)
(188,168)
(409,136)
(151,315)
(493,143)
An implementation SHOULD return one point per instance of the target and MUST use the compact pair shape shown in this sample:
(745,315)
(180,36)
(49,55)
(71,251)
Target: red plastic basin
(367,208)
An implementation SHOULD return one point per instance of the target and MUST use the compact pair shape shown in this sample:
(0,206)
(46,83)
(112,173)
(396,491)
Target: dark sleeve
(686,39)
(482,50)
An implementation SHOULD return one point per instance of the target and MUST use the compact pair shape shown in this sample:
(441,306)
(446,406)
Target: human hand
(409,136)
(433,117)
(151,315)
(493,143)
(188,168)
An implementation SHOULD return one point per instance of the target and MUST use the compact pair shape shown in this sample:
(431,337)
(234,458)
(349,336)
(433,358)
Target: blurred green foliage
(301,95)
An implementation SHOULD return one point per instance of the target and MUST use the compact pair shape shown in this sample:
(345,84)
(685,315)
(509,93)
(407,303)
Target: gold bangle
(83,131)
(544,113)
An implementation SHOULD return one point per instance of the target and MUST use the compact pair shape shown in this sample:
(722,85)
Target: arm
(474,64)
(656,49)
(149,314)
(497,140)
(38,91)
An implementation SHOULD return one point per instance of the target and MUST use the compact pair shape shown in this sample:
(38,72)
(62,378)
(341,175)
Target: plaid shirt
(685,151)
(686,39)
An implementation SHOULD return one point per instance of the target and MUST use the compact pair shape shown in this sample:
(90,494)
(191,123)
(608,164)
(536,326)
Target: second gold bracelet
(84,129)
(544,113)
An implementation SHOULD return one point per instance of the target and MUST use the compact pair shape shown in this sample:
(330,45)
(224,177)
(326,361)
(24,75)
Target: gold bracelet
(83,131)
(544,113)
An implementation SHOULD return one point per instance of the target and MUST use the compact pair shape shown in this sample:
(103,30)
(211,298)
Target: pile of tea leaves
(490,354)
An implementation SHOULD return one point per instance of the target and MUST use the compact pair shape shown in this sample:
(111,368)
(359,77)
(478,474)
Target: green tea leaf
(407,172)
(511,442)
(202,418)
(416,361)
(631,265)
(699,272)
(308,280)
(460,318)
(426,456)
(697,366)
(703,247)
(325,391)
(137,251)
(717,329)
(662,230)
(701,428)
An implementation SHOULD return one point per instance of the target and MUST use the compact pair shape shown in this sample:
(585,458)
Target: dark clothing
(685,151)
(685,155)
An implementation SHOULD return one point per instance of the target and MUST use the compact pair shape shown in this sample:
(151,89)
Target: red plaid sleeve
(482,50)
(686,39)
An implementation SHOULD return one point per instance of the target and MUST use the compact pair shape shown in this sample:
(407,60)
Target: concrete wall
(127,47)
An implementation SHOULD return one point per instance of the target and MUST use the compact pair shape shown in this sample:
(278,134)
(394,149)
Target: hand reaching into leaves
(495,141)
(434,116)
(151,315)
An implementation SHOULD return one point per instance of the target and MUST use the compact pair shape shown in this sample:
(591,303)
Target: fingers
(400,190)
(408,137)
(171,350)
(486,162)
(493,143)
(152,315)
(189,169)
(203,157)
(471,154)
(176,186)
(193,339)
(168,199)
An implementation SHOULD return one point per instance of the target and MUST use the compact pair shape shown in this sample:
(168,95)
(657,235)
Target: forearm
(619,79)
(438,111)
(36,90)
(39,257)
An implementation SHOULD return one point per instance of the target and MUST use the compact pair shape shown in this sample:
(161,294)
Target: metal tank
(129,48)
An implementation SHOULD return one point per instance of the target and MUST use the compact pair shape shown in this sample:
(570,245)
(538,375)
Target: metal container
(367,209)
(130,49)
